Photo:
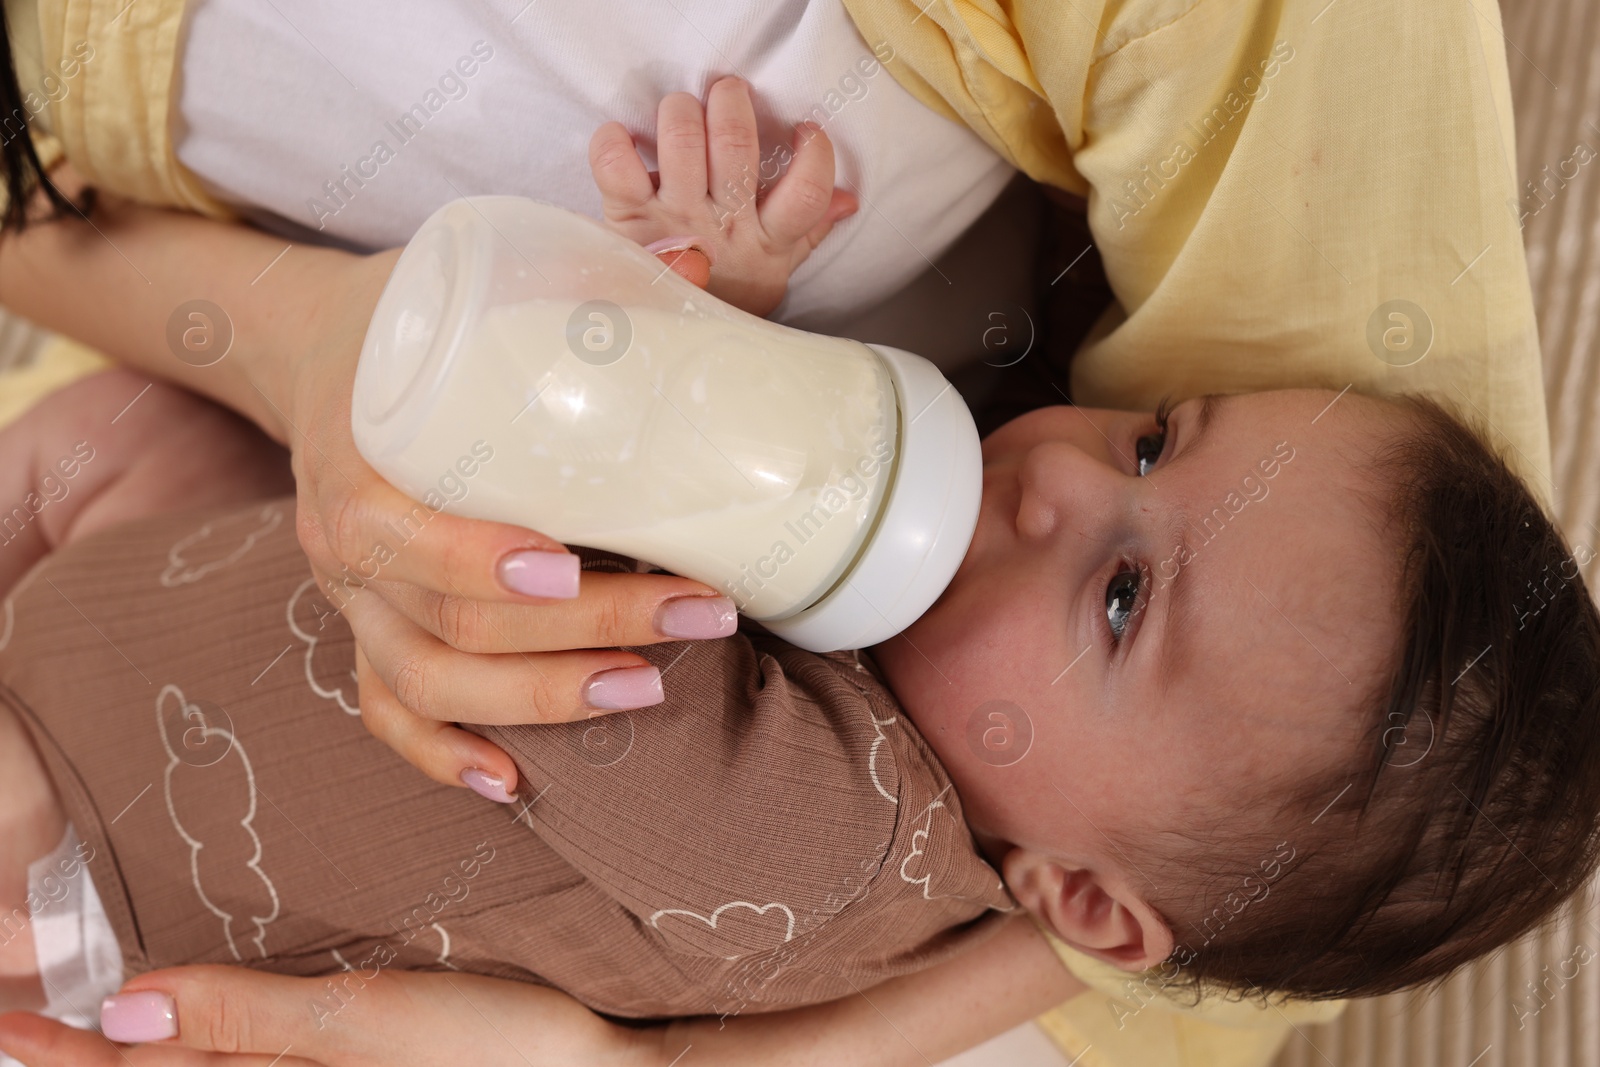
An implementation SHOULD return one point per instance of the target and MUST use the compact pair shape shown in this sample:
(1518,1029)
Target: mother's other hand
(233,1017)
(237,1017)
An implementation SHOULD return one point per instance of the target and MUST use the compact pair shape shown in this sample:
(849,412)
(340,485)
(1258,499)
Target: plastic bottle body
(621,407)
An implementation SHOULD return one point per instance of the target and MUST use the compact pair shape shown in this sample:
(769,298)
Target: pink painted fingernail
(535,573)
(695,617)
(624,688)
(131,1018)
(486,785)
(672,249)
(671,244)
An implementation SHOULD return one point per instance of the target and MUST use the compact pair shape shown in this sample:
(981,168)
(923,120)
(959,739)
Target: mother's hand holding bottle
(457,619)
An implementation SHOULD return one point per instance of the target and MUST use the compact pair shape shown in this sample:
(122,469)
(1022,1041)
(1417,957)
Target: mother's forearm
(120,282)
(912,1021)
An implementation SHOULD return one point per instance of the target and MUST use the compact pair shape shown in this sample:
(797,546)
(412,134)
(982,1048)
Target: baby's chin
(897,659)
(934,722)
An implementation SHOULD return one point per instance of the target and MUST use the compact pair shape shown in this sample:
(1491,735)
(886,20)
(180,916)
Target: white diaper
(79,960)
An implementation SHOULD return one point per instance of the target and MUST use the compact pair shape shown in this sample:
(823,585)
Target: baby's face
(1173,617)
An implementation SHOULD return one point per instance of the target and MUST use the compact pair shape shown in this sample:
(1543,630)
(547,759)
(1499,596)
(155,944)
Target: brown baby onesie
(776,833)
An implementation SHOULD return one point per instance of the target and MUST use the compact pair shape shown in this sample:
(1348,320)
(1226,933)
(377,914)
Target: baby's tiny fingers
(735,146)
(842,206)
(800,199)
(681,151)
(624,183)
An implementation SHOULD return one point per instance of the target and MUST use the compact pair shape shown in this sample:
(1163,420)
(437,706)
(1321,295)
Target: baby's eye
(1122,593)
(1148,450)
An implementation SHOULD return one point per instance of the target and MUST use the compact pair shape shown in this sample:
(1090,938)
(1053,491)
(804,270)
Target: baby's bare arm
(117,446)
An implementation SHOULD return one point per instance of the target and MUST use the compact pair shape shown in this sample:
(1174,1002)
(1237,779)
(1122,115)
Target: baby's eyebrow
(1178,612)
(1210,404)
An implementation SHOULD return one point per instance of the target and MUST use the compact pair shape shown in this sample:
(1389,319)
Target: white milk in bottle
(601,399)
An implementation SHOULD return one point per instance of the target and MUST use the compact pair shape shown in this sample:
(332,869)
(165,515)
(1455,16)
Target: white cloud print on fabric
(872,754)
(216,796)
(328,675)
(919,845)
(711,921)
(217,544)
(937,816)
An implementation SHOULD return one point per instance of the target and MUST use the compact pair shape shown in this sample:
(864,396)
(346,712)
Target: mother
(1227,150)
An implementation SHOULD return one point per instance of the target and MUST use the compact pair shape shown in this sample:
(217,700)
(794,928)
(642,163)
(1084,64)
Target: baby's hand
(709,194)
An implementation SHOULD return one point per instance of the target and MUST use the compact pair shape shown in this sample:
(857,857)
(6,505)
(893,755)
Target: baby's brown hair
(1473,810)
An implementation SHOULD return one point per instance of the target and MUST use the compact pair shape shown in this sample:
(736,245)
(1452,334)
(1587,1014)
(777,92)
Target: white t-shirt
(359,118)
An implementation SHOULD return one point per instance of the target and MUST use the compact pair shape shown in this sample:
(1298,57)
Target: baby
(1293,692)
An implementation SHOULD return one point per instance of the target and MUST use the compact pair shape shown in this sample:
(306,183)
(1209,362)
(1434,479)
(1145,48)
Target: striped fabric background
(1490,1015)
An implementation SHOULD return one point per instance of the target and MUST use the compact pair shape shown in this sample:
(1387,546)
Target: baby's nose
(1064,486)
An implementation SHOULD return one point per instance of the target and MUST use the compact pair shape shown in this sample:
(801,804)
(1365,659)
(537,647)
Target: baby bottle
(526,365)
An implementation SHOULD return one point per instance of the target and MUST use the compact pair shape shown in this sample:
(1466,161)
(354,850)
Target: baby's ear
(1096,913)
